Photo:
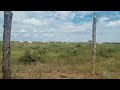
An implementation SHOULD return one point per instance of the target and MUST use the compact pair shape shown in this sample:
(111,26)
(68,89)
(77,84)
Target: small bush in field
(78,45)
(28,57)
(32,56)
(106,53)
(42,51)
(38,57)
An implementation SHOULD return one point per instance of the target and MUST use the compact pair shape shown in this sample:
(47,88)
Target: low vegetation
(56,60)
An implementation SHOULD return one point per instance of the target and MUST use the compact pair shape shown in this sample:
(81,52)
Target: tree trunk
(6,44)
(94,46)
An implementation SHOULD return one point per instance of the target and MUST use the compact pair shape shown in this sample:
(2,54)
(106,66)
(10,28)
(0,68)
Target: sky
(65,26)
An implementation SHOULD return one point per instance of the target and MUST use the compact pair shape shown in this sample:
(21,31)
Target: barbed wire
(63,32)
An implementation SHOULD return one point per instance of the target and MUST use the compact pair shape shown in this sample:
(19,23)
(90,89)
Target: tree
(6,44)
(90,41)
(94,45)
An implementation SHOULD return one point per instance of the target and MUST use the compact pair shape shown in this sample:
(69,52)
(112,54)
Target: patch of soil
(63,75)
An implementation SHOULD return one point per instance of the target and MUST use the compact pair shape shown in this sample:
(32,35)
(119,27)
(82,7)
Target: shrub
(27,57)
(106,53)
(41,51)
(32,56)
(78,45)
(73,52)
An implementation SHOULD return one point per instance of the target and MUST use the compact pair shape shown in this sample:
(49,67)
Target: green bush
(28,57)
(32,56)
(41,51)
(106,53)
(78,45)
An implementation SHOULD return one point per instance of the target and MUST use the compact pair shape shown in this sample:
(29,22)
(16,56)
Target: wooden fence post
(6,44)
(94,46)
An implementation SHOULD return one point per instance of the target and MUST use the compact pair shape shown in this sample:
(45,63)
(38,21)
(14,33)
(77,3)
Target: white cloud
(48,35)
(37,22)
(19,15)
(113,24)
(23,30)
(66,15)
(62,14)
(85,12)
(34,30)
(32,21)
(41,14)
(71,27)
(82,14)
(103,19)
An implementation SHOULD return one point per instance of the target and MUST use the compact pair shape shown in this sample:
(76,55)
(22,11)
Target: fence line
(62,32)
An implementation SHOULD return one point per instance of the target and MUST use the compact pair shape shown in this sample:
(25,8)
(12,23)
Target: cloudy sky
(67,26)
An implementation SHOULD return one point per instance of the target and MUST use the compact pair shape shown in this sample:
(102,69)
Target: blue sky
(66,26)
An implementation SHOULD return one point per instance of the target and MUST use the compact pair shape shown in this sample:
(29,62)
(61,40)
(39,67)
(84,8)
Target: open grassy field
(62,60)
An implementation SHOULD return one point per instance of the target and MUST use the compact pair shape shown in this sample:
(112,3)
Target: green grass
(54,60)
